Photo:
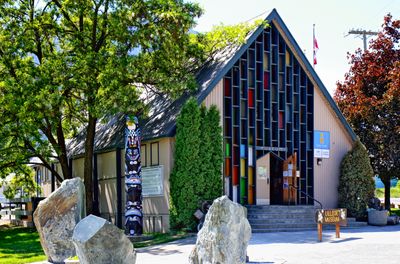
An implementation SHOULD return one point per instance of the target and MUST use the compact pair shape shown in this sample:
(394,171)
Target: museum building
(284,136)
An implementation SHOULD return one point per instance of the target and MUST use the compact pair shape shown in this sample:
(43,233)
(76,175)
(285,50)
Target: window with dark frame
(154,154)
(143,155)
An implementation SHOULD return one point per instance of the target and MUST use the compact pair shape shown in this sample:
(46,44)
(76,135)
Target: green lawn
(19,245)
(395,211)
(394,191)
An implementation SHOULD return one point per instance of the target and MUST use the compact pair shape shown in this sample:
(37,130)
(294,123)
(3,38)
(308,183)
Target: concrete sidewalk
(363,245)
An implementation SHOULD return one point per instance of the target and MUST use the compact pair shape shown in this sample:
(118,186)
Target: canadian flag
(315,49)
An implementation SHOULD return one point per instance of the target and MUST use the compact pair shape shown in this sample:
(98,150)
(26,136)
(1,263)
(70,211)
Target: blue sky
(332,19)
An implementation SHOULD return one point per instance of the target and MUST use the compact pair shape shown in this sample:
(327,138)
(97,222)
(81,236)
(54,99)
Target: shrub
(184,200)
(213,181)
(356,184)
(197,172)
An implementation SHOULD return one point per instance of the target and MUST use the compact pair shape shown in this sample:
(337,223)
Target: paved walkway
(364,245)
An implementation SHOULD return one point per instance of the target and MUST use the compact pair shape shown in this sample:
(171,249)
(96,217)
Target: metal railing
(306,194)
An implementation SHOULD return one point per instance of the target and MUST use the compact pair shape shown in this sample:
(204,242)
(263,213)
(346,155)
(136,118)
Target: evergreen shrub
(356,184)
(197,172)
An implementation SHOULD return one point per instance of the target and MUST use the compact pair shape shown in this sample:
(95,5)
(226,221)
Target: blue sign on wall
(321,140)
(322,144)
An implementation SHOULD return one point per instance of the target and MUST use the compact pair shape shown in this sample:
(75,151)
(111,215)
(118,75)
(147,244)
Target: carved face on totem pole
(133,178)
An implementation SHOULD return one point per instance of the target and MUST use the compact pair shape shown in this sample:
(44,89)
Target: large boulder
(224,236)
(56,217)
(99,241)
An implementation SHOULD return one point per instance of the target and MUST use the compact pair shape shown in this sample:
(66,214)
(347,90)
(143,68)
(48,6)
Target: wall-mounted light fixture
(319,161)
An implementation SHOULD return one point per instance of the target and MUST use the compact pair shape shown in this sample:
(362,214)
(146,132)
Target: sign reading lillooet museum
(336,217)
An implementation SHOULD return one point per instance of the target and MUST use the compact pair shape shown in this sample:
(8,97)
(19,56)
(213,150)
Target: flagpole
(313,41)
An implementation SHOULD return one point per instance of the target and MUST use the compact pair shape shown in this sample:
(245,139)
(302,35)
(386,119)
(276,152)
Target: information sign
(152,181)
(321,144)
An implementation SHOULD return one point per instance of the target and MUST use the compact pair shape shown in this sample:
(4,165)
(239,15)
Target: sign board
(337,217)
(321,144)
(331,216)
(152,181)
(271,149)
(262,172)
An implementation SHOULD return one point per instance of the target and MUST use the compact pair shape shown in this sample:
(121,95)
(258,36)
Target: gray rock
(56,217)
(225,235)
(393,220)
(99,241)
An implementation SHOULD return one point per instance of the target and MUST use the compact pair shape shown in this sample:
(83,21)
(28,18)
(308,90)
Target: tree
(356,184)
(205,156)
(22,181)
(197,172)
(65,64)
(185,173)
(214,156)
(369,98)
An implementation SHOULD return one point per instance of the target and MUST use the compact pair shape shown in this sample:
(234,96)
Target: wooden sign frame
(338,217)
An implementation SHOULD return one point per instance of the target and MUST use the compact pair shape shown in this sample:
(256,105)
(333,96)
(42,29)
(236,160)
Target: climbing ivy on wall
(197,172)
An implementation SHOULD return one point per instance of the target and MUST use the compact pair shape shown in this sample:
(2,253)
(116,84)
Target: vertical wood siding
(326,175)
(216,98)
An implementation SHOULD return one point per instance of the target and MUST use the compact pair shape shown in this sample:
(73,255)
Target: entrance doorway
(276,186)
(269,180)
(263,180)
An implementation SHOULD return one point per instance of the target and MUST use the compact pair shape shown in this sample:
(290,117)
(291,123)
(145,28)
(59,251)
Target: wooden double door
(278,186)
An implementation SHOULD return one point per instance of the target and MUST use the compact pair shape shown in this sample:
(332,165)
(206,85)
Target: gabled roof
(164,111)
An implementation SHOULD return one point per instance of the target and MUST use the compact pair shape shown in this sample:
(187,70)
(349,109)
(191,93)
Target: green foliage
(66,64)
(20,245)
(356,184)
(394,191)
(22,182)
(185,173)
(197,172)
(205,145)
(395,211)
(213,181)
(223,36)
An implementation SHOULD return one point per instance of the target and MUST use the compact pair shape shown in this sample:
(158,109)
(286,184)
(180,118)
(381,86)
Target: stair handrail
(306,194)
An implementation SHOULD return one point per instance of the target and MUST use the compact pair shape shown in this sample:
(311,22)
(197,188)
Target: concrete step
(261,216)
(280,221)
(281,211)
(276,209)
(281,206)
(283,218)
(281,226)
(273,229)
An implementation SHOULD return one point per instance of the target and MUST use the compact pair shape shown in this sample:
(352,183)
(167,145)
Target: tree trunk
(63,156)
(386,182)
(88,164)
(64,167)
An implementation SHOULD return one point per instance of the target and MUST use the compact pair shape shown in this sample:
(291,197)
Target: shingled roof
(163,110)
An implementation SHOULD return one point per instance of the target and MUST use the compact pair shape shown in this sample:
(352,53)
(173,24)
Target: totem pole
(133,178)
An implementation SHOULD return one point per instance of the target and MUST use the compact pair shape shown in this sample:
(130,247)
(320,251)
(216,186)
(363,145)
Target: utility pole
(364,34)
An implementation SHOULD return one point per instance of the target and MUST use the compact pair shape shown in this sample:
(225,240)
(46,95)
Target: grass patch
(394,192)
(161,239)
(20,245)
(395,211)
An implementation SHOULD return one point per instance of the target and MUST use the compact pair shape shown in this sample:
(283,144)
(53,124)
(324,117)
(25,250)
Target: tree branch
(65,14)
